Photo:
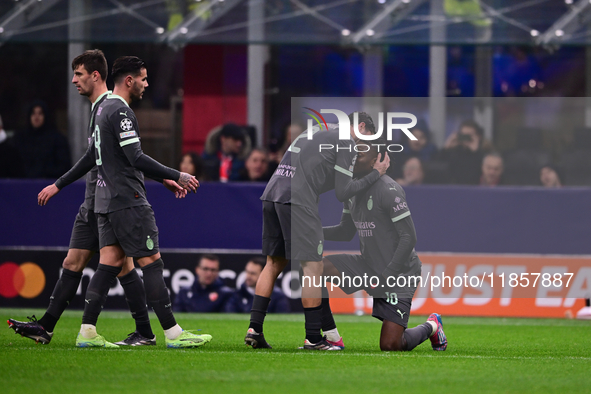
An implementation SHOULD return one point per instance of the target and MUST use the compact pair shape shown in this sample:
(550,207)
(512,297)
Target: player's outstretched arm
(345,186)
(85,164)
(344,231)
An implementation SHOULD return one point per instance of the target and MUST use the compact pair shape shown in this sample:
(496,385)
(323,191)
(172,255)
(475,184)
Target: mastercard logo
(26,280)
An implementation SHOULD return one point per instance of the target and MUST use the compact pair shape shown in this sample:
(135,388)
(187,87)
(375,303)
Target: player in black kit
(381,217)
(291,225)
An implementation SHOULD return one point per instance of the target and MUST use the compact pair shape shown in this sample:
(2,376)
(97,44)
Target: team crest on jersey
(370,203)
(126,124)
(127,134)
(397,200)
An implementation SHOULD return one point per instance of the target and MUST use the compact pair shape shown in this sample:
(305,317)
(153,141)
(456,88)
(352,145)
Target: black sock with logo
(135,295)
(98,289)
(63,293)
(157,293)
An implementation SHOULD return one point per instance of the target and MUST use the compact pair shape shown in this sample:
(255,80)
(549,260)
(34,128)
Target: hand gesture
(188,182)
(45,194)
(174,187)
(383,164)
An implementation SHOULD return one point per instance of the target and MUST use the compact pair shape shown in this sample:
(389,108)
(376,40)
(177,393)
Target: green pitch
(484,355)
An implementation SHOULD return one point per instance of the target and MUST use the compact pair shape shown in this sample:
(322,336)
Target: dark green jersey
(311,167)
(375,214)
(119,184)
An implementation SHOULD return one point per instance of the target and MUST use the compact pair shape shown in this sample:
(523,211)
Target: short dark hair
(208,256)
(127,65)
(473,125)
(92,60)
(231,130)
(365,118)
(258,260)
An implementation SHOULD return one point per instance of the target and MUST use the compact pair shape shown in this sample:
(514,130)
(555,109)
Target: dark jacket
(211,158)
(11,165)
(44,151)
(199,299)
(241,302)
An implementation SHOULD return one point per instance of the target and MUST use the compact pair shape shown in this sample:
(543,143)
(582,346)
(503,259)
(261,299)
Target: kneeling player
(387,239)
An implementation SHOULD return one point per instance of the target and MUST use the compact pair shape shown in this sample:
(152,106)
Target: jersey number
(391,298)
(97,144)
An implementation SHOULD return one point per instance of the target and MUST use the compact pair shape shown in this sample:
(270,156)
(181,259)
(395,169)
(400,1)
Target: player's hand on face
(188,182)
(174,187)
(45,194)
(382,164)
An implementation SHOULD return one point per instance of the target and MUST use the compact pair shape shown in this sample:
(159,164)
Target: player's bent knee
(76,260)
(391,347)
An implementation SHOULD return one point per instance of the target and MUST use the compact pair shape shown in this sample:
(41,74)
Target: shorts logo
(401,313)
(127,134)
(149,243)
(370,203)
(397,200)
(126,124)
(320,248)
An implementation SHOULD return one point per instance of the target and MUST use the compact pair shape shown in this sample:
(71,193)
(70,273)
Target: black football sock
(313,323)
(258,312)
(328,322)
(157,293)
(135,295)
(97,291)
(63,292)
(417,335)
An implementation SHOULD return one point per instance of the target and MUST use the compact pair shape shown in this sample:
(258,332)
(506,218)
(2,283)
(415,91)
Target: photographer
(464,151)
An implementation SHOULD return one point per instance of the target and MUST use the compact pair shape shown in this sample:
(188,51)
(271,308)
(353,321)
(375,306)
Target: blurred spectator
(225,150)
(292,131)
(492,170)
(464,151)
(241,299)
(11,165)
(208,293)
(412,172)
(422,147)
(550,177)
(192,163)
(256,168)
(44,151)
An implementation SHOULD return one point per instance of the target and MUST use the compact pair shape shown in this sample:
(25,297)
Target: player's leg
(395,337)
(112,258)
(135,295)
(312,300)
(264,288)
(142,243)
(277,247)
(329,326)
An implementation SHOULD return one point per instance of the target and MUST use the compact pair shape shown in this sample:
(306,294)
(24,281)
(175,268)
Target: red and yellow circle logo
(26,280)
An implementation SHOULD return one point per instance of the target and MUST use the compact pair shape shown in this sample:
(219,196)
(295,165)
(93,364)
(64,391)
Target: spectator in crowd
(256,168)
(241,299)
(422,148)
(208,293)
(44,151)
(292,131)
(492,170)
(550,177)
(464,151)
(225,150)
(11,165)
(191,163)
(412,172)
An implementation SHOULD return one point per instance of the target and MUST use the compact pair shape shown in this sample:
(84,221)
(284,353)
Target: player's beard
(136,91)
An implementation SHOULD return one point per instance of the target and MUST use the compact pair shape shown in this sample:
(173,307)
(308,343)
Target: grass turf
(484,355)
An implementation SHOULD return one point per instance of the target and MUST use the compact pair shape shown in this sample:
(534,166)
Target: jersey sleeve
(85,164)
(345,186)
(127,135)
(395,203)
(345,230)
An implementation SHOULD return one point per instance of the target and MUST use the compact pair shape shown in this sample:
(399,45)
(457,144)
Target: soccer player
(90,75)
(291,200)
(387,238)
(126,222)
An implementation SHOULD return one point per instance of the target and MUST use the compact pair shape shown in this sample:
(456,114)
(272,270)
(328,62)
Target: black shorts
(85,231)
(389,303)
(133,228)
(292,231)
